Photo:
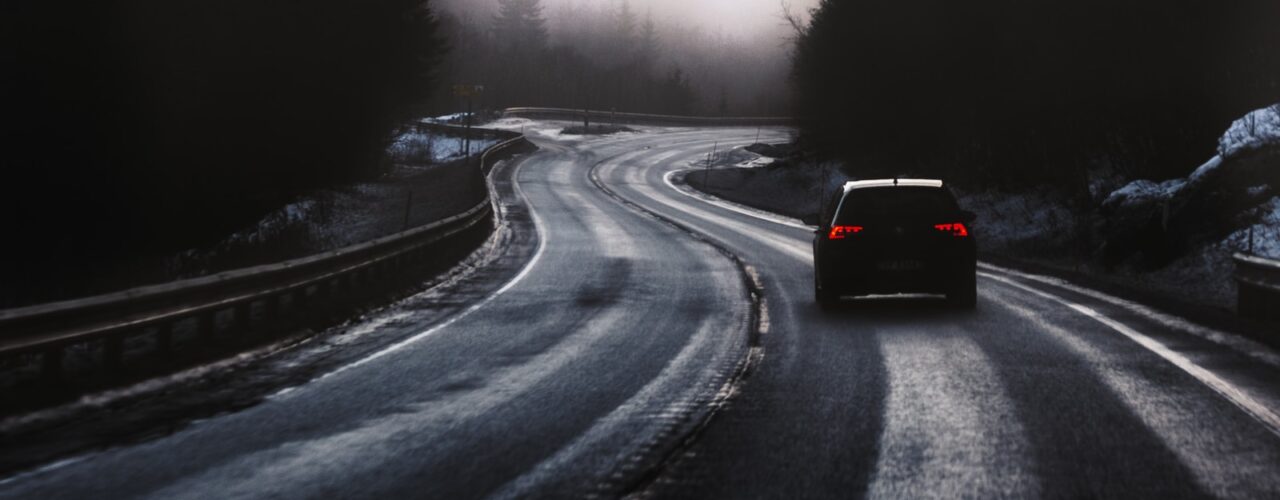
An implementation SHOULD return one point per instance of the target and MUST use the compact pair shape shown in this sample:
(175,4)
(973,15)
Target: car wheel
(825,299)
(964,294)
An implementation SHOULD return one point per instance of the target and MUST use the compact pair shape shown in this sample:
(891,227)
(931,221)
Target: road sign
(468,90)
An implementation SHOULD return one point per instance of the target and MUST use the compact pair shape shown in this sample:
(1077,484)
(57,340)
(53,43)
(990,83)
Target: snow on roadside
(733,157)
(418,147)
(1206,267)
(275,222)
(550,130)
(456,117)
(1254,131)
(1265,232)
(1207,270)
(1012,220)
(1141,192)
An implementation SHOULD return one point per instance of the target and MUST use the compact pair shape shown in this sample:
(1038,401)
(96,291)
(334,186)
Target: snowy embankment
(429,180)
(427,148)
(1241,180)
(1173,236)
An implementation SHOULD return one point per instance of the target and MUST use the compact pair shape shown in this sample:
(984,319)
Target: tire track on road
(758,326)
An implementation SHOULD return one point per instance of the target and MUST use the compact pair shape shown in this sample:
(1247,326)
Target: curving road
(636,338)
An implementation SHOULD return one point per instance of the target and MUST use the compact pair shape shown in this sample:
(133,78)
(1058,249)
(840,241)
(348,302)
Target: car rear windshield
(896,202)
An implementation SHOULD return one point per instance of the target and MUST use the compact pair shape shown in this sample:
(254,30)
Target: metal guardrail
(48,329)
(638,118)
(1257,287)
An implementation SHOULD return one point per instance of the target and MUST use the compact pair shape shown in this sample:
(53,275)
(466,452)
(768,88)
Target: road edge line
(758,324)
(1258,411)
(1235,342)
(538,228)
(711,199)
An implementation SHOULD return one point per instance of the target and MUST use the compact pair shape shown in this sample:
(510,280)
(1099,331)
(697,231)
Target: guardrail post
(51,365)
(241,312)
(164,339)
(301,298)
(113,352)
(1257,287)
(205,324)
(271,306)
(111,319)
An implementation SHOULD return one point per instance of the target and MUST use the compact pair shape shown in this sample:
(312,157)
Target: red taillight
(838,232)
(956,229)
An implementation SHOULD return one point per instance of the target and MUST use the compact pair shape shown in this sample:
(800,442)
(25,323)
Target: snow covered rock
(1256,130)
(1262,235)
(1142,192)
(1163,220)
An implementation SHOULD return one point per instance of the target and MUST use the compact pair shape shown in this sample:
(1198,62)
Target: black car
(895,236)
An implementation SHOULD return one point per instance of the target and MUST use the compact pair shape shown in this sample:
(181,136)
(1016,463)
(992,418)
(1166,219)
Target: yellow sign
(468,90)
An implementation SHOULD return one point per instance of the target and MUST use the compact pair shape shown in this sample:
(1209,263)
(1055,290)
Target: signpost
(470,92)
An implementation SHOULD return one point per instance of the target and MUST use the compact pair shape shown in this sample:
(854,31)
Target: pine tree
(520,25)
(626,25)
(677,93)
(647,48)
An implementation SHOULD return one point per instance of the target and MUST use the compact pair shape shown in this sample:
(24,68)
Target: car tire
(964,295)
(826,300)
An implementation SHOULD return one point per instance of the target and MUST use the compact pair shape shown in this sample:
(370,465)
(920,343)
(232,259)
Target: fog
(705,57)
(733,16)
(730,15)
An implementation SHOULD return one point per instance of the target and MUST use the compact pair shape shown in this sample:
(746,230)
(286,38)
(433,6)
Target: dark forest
(1032,92)
(149,126)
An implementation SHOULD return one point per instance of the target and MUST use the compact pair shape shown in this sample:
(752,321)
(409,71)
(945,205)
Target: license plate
(900,265)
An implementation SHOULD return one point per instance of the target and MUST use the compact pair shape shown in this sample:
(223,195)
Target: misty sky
(712,15)
(722,14)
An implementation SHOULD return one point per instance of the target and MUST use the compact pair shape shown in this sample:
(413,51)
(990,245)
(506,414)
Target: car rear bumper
(874,277)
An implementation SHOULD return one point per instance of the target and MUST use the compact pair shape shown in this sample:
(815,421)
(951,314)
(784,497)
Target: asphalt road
(654,343)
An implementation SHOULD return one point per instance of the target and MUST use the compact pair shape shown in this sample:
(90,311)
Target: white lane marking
(304,466)
(639,409)
(1239,344)
(751,212)
(698,361)
(310,468)
(1236,396)
(786,245)
(1250,348)
(46,469)
(950,429)
(539,227)
(604,230)
(1225,462)
(196,372)
(783,244)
